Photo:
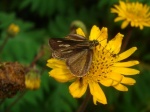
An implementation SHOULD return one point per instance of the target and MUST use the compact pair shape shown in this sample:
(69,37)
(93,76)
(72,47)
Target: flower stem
(37,57)
(85,102)
(127,38)
(4,43)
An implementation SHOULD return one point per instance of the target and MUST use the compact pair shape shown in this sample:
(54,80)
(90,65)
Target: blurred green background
(40,20)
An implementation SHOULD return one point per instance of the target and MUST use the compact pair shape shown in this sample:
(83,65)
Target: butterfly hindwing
(79,63)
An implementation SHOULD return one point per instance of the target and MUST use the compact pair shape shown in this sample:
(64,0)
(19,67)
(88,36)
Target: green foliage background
(40,20)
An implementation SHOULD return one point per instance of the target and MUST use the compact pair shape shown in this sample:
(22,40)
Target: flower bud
(13,30)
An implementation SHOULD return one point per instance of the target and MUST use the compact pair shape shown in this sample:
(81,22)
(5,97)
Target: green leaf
(24,4)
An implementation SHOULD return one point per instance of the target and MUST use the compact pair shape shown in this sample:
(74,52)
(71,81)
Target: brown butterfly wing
(75,49)
(79,63)
(64,48)
(75,37)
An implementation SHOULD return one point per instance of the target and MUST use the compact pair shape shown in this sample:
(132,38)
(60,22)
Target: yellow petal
(77,89)
(115,76)
(97,92)
(128,81)
(124,24)
(119,19)
(79,31)
(115,83)
(125,71)
(55,63)
(61,75)
(126,64)
(115,44)
(123,5)
(126,54)
(121,87)
(133,24)
(95,33)
(113,10)
(141,27)
(106,82)
(103,37)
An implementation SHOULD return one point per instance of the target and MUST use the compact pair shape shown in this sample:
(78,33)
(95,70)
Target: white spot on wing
(66,51)
(64,45)
(59,41)
(69,51)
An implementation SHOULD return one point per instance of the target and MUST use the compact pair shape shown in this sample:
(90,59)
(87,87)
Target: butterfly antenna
(109,51)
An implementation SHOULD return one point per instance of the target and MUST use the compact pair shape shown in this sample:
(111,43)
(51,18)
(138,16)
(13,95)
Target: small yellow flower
(32,80)
(13,29)
(136,14)
(106,68)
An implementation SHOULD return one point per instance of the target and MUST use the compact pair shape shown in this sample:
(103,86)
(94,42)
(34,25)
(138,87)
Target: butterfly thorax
(93,43)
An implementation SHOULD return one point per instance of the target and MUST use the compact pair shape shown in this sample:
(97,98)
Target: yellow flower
(32,80)
(106,68)
(137,14)
(13,29)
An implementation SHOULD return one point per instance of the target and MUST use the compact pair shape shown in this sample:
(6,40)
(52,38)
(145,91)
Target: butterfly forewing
(64,48)
(80,62)
(67,42)
(75,37)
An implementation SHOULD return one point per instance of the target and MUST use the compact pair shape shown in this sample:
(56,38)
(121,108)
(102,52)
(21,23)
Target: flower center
(103,59)
(135,11)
